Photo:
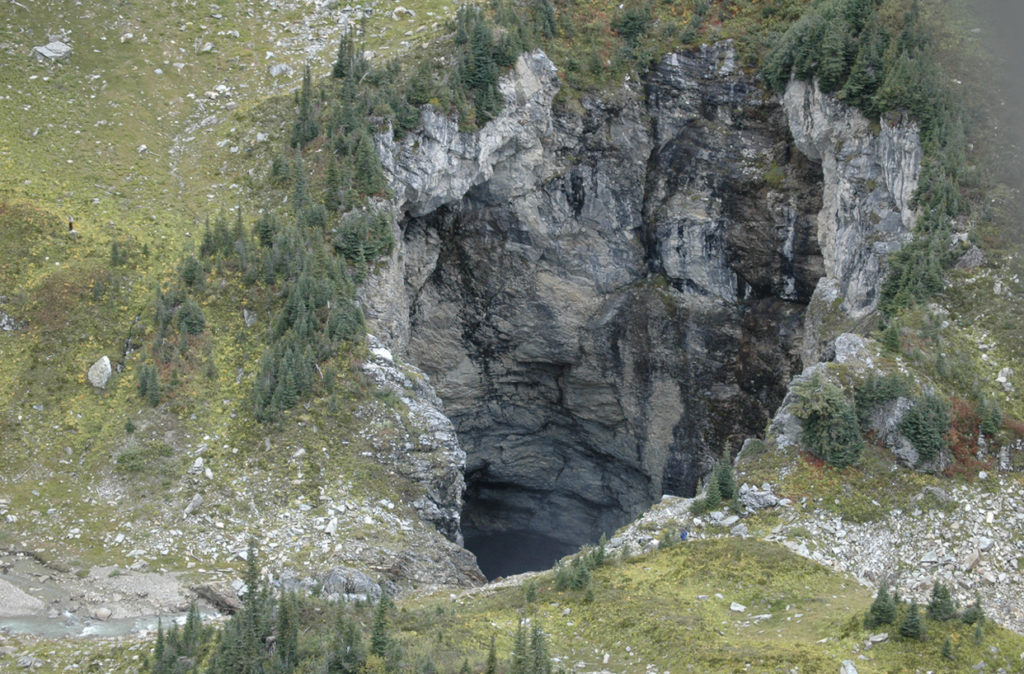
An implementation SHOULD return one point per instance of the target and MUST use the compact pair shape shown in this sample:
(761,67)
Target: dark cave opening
(507,553)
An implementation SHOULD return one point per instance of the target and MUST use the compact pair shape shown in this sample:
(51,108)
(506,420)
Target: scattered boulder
(54,51)
(280,69)
(349,584)
(941,495)
(8,324)
(847,667)
(737,607)
(971,259)
(102,613)
(970,561)
(206,48)
(99,373)
(193,505)
(222,598)
(1003,378)
(753,498)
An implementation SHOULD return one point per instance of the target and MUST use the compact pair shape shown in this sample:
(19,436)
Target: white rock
(193,505)
(736,607)
(279,70)
(54,51)
(847,667)
(102,613)
(99,373)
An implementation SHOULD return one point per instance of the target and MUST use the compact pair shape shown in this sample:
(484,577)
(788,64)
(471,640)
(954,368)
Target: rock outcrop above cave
(609,294)
(869,176)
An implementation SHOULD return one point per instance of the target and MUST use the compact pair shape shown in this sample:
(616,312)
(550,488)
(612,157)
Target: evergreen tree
(973,613)
(540,661)
(492,659)
(465,667)
(891,337)
(947,649)
(266,226)
(300,192)
(305,128)
(867,71)
(380,640)
(191,320)
(148,384)
(834,62)
(925,425)
(911,627)
(368,176)
(830,428)
(725,478)
(346,55)
(192,273)
(713,496)
(332,186)
(520,652)
(191,636)
(883,609)
(158,650)
(940,606)
(287,632)
(349,653)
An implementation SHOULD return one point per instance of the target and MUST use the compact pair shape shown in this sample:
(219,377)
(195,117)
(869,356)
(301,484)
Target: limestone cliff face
(869,178)
(609,294)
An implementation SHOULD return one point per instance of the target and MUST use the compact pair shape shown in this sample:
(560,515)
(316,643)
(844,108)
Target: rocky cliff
(869,176)
(608,293)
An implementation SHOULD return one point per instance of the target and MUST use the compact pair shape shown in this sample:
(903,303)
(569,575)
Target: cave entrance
(507,553)
(530,522)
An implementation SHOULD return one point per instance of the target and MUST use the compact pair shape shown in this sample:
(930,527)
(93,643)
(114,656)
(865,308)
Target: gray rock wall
(869,176)
(610,293)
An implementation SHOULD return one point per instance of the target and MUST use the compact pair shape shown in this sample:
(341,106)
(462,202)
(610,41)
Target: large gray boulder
(350,584)
(99,372)
(54,51)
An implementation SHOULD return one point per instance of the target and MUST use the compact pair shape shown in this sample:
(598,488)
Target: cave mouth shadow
(506,553)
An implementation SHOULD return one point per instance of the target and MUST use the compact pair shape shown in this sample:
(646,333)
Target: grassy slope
(665,607)
(71,145)
(665,611)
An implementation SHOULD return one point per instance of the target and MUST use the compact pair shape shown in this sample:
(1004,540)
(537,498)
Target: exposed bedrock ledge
(607,295)
(869,177)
